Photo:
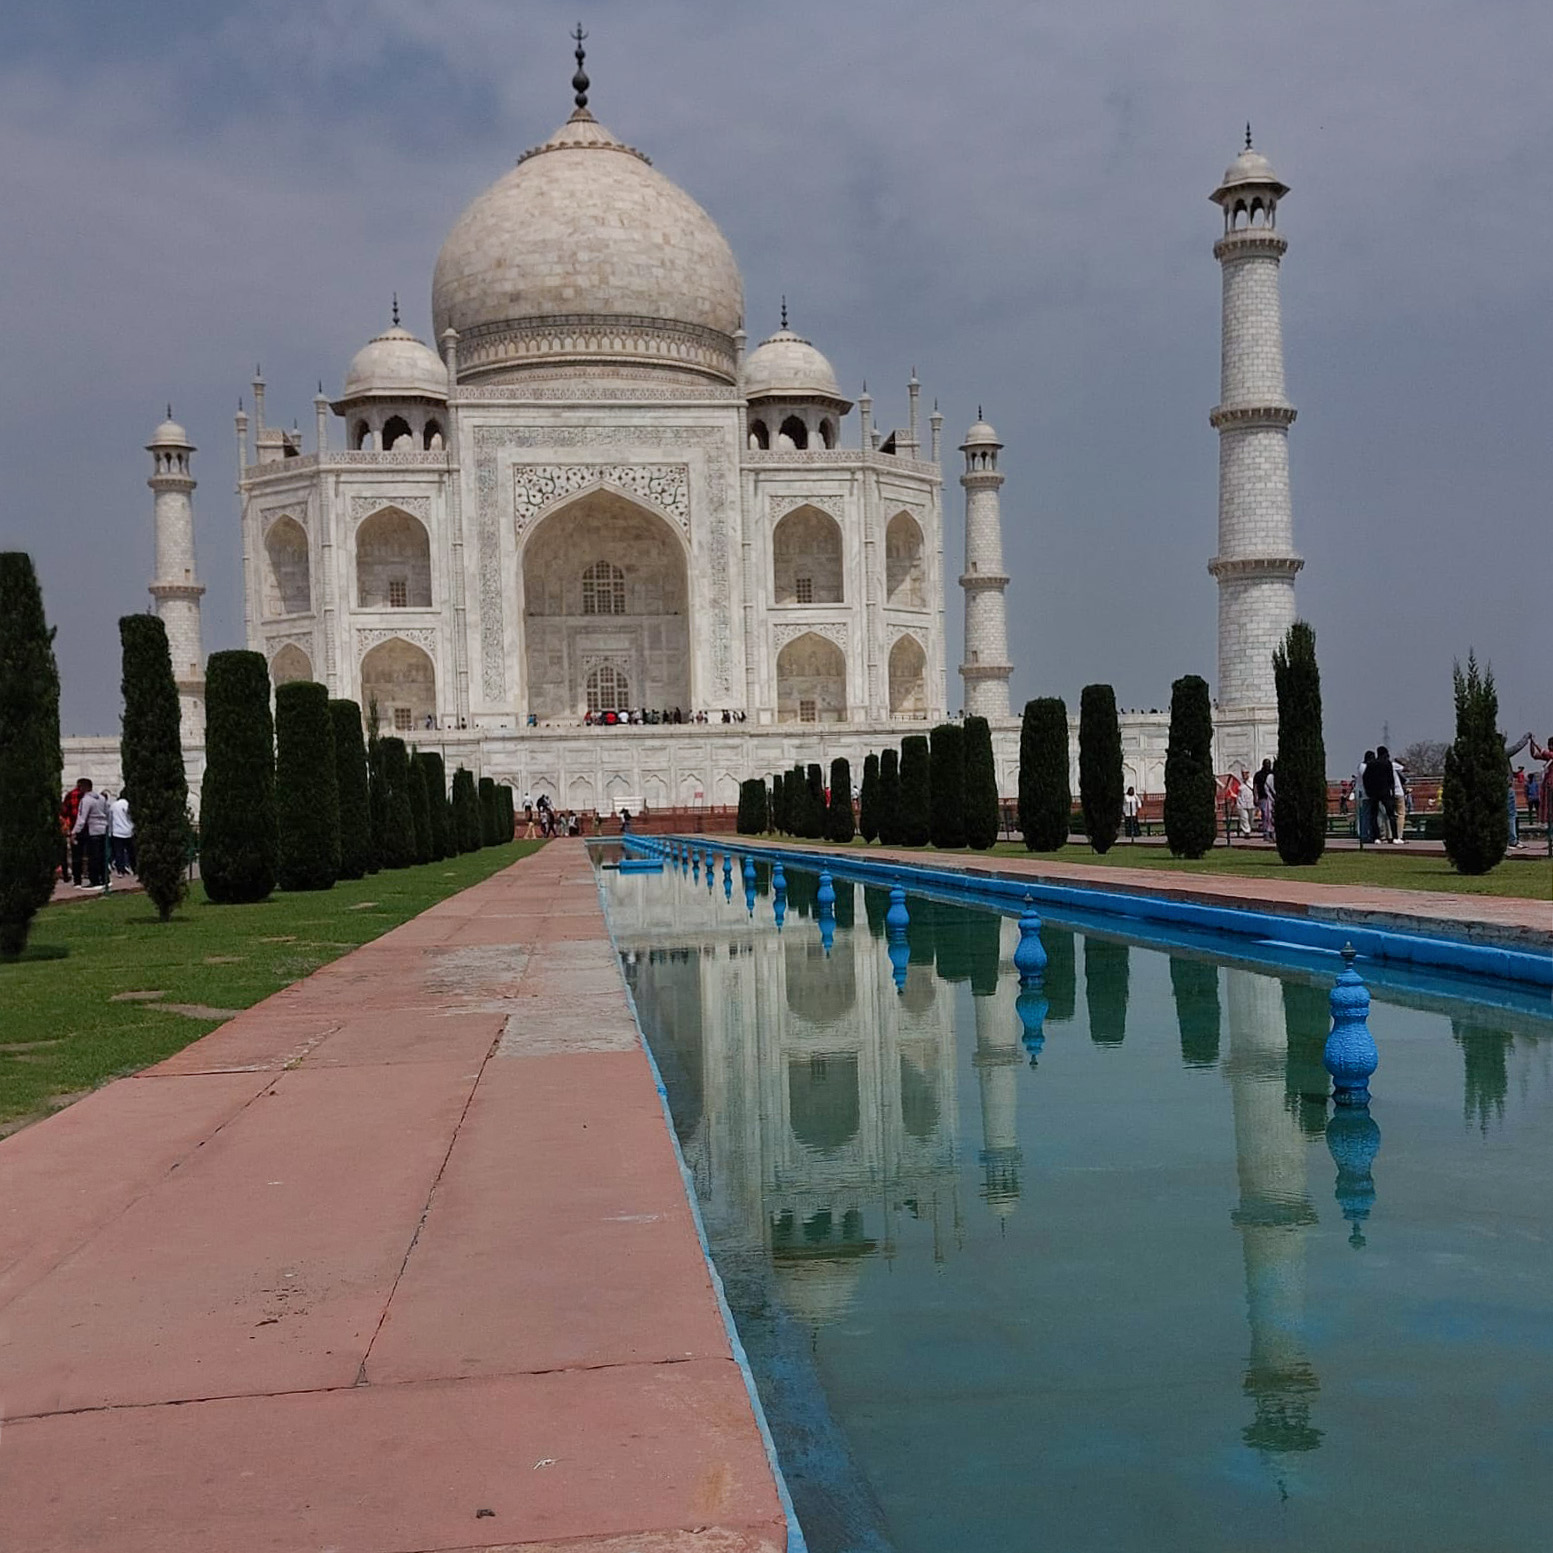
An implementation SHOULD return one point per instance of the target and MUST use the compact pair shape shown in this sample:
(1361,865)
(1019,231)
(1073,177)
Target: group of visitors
(541,818)
(1537,803)
(1252,797)
(96,832)
(1380,785)
(652,716)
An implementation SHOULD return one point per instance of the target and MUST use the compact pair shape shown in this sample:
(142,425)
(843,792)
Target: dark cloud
(1010,198)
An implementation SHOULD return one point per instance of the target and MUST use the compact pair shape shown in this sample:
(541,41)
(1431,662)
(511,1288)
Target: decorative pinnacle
(979,415)
(784,311)
(580,80)
(169,409)
(396,310)
(1349,955)
(1248,134)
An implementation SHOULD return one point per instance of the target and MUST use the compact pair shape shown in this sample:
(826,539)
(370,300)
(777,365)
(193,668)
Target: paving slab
(406,1242)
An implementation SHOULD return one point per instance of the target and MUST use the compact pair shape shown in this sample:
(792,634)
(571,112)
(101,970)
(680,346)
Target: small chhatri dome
(981,434)
(170,435)
(786,365)
(395,365)
(1248,168)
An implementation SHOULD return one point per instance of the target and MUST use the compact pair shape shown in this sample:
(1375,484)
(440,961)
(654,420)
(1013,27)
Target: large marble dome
(584,255)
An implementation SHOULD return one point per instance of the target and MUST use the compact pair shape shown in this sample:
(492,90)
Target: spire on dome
(396,310)
(169,409)
(1248,134)
(784,311)
(580,80)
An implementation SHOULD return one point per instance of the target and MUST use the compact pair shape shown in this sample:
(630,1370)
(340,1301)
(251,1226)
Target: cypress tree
(981,785)
(1474,817)
(868,800)
(1191,793)
(420,807)
(916,789)
(442,844)
(1300,794)
(840,823)
(238,838)
(350,781)
(776,801)
(1045,797)
(466,815)
(307,793)
(798,801)
(741,822)
(1100,765)
(489,825)
(30,761)
(509,814)
(814,807)
(377,795)
(947,764)
(151,756)
(398,817)
(888,804)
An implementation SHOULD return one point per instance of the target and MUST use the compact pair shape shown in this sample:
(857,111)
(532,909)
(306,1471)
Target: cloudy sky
(1010,197)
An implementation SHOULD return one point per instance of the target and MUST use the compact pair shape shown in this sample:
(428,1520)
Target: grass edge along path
(97,993)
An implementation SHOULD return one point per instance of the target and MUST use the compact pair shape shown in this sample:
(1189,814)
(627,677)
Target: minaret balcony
(1245,417)
(970,671)
(972,581)
(1251,243)
(1257,567)
(177,590)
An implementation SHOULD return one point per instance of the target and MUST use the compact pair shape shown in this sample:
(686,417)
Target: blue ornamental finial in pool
(827,931)
(749,873)
(1030,956)
(1031,1007)
(825,897)
(727,863)
(900,958)
(778,878)
(1350,1054)
(1353,1140)
(897,917)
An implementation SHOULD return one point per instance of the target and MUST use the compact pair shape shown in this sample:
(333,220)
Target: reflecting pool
(1098,1265)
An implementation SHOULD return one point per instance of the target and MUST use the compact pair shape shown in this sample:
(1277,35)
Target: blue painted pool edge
(795,1537)
(1438,952)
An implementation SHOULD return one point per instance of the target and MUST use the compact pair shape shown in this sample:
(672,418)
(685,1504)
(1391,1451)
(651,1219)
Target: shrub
(752,804)
(509,814)
(1191,793)
(981,785)
(151,757)
(1300,793)
(889,800)
(947,780)
(398,816)
(840,824)
(466,812)
(916,786)
(490,825)
(1045,798)
(355,799)
(377,792)
(442,844)
(814,803)
(774,817)
(1100,765)
(30,761)
(237,798)
(307,793)
(868,800)
(1475,821)
(420,807)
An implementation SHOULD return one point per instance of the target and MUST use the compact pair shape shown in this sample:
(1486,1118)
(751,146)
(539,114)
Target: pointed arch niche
(806,558)
(903,575)
(403,681)
(811,681)
(908,679)
(287,579)
(289,664)
(393,561)
(605,588)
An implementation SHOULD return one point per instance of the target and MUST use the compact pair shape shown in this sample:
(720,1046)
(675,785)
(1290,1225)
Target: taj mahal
(591,494)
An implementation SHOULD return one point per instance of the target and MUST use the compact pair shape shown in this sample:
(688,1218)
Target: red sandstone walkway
(400,1259)
(1524,923)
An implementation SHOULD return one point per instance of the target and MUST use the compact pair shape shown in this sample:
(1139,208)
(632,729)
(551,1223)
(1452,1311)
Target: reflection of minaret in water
(1273,1215)
(997,1067)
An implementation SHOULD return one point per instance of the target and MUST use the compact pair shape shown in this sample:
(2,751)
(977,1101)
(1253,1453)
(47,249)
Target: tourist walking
(1545,755)
(1401,801)
(1131,804)
(121,835)
(1263,786)
(1511,805)
(91,824)
(1365,818)
(1245,802)
(75,845)
(1379,784)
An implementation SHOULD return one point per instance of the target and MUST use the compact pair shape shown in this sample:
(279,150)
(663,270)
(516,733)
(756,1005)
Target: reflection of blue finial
(778,878)
(900,958)
(749,899)
(1353,1140)
(1031,1006)
(749,872)
(779,908)
(711,874)
(1030,956)
(897,917)
(826,894)
(1350,1055)
(827,932)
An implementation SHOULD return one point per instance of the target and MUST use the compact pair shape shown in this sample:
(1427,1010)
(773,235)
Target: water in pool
(1102,1268)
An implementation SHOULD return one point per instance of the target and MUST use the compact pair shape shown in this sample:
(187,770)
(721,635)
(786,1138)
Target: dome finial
(580,80)
(396,310)
(1248,134)
(979,415)
(784,311)
(169,409)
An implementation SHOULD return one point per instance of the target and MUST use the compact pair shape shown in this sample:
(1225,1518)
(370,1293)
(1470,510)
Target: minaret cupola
(795,403)
(396,394)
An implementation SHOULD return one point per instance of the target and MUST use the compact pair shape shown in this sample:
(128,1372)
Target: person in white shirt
(121,834)
(1131,804)
(1245,802)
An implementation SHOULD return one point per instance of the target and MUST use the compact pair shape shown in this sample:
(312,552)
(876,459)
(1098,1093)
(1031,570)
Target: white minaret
(177,589)
(1256,562)
(985,669)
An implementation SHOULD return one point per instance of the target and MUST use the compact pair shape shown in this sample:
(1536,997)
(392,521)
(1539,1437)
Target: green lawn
(60,1032)
(1516,877)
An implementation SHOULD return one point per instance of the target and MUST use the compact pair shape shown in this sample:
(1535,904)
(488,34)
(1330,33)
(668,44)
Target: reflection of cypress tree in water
(669,1002)
(846,904)
(1061,981)
(875,904)
(1106,968)
(1308,1021)
(921,932)
(985,930)
(1485,1049)
(1195,985)
(951,941)
(802,890)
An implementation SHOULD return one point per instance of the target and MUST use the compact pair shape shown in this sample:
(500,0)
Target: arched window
(287,586)
(794,434)
(290,663)
(828,432)
(396,433)
(608,689)
(806,558)
(811,681)
(760,437)
(908,679)
(361,437)
(903,562)
(431,438)
(400,678)
(603,590)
